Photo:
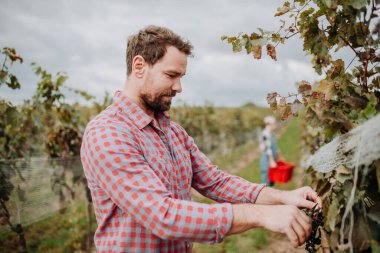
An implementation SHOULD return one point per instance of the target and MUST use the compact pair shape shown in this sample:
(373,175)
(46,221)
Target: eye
(170,75)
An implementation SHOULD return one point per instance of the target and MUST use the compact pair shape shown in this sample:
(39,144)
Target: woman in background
(269,150)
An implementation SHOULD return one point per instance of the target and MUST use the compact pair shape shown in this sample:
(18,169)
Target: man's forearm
(270,196)
(245,217)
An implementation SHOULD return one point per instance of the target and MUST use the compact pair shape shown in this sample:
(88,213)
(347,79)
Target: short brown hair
(151,41)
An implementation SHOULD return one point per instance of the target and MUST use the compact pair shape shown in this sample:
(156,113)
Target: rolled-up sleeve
(114,160)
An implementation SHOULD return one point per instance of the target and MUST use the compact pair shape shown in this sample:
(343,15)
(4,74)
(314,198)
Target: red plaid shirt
(140,175)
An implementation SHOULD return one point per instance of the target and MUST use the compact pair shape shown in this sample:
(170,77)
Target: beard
(158,103)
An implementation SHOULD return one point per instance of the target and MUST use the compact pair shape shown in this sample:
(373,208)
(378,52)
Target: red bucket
(282,173)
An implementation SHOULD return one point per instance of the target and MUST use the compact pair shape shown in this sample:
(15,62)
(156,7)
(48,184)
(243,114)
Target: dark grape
(314,239)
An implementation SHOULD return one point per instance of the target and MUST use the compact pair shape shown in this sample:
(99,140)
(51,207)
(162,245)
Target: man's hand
(289,220)
(303,197)
(285,219)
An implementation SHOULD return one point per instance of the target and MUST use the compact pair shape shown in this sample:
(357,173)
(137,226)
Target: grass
(59,233)
(236,154)
(246,242)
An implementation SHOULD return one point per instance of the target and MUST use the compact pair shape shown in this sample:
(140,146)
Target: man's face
(163,80)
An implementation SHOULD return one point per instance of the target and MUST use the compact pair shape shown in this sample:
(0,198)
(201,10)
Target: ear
(138,66)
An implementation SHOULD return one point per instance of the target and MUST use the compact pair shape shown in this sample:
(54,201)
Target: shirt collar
(137,115)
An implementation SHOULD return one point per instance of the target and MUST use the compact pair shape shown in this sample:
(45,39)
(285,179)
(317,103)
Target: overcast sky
(87,40)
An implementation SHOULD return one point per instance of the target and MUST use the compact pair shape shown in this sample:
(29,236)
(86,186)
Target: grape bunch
(315,237)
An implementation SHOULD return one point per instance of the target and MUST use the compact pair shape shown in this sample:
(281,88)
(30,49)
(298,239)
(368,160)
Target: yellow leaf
(327,88)
(271,51)
(282,10)
(304,87)
(272,100)
(256,51)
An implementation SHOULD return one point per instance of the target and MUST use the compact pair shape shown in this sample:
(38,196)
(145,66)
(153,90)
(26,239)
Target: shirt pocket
(160,166)
(185,171)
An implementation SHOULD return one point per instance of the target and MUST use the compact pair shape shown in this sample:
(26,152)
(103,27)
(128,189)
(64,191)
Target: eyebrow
(175,72)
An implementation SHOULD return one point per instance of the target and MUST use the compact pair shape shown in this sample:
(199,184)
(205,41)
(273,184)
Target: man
(140,167)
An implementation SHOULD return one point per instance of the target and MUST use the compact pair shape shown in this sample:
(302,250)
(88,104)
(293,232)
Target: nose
(177,87)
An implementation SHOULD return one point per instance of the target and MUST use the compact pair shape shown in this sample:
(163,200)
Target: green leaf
(255,36)
(341,178)
(61,79)
(231,39)
(3,75)
(370,110)
(236,46)
(328,3)
(376,82)
(357,4)
(12,115)
(307,12)
(13,82)
(333,216)
(224,37)
(82,93)
(343,170)
(259,42)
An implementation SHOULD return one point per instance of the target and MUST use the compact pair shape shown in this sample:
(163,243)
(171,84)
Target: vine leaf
(271,51)
(282,10)
(357,4)
(337,69)
(284,109)
(256,51)
(327,88)
(343,174)
(304,87)
(272,100)
(333,217)
(11,53)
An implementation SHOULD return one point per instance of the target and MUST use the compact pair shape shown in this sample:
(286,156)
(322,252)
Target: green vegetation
(65,232)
